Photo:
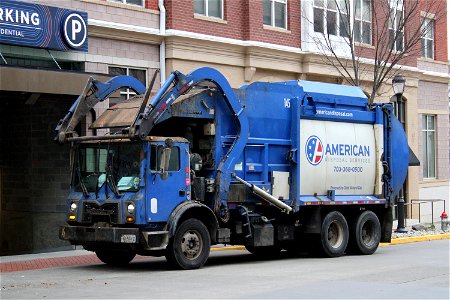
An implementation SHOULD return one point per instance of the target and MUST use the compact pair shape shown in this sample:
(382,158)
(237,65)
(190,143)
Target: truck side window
(155,158)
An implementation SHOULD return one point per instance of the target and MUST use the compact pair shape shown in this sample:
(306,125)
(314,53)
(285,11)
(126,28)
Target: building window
(427,39)
(429,145)
(275,13)
(125,93)
(331,17)
(363,21)
(132,2)
(209,8)
(396,27)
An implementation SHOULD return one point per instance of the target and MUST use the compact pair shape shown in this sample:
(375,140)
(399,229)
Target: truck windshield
(119,161)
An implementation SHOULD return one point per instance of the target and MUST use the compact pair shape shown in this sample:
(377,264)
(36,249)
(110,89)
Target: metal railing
(419,202)
(431,201)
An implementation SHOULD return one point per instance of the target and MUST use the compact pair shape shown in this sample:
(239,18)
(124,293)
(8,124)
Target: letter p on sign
(75,30)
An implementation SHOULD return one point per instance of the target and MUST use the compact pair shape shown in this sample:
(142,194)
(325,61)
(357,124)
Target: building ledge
(426,183)
(429,60)
(210,19)
(122,5)
(44,81)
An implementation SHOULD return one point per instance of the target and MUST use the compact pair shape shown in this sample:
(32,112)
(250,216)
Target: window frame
(362,21)
(126,2)
(393,23)
(206,7)
(325,10)
(425,147)
(129,92)
(272,14)
(423,50)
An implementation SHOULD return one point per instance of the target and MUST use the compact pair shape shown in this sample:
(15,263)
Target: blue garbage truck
(272,166)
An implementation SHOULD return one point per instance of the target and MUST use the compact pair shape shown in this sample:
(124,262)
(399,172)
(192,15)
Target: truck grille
(107,212)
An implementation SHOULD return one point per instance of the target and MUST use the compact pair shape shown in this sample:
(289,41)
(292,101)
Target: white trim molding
(206,37)
(125,27)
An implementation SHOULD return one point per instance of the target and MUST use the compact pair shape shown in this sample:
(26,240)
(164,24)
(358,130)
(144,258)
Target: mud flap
(386,225)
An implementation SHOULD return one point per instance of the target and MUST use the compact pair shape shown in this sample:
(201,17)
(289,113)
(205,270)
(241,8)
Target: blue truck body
(264,166)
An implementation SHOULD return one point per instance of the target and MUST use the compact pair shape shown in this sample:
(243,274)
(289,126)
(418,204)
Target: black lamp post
(398,85)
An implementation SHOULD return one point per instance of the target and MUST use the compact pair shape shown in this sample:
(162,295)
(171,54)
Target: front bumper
(148,240)
(82,234)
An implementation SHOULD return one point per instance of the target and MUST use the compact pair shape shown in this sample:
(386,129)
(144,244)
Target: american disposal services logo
(314,150)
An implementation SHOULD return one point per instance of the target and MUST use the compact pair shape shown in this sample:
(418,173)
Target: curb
(414,239)
(228,248)
(396,241)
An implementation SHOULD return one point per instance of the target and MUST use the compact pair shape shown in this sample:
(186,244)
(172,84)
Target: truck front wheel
(366,234)
(115,257)
(334,234)
(189,247)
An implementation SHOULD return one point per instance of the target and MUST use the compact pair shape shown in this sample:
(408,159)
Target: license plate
(128,238)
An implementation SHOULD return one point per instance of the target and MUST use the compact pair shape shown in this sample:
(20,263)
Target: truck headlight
(73,207)
(131,208)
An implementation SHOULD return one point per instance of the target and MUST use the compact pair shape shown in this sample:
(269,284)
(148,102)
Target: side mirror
(164,163)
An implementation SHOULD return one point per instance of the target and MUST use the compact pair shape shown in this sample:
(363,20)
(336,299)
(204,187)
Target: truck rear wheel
(115,257)
(366,234)
(189,247)
(334,234)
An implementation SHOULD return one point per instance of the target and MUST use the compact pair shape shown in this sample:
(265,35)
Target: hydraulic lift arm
(178,84)
(94,92)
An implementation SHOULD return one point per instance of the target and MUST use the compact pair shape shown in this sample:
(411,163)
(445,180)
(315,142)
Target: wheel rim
(335,234)
(368,234)
(191,244)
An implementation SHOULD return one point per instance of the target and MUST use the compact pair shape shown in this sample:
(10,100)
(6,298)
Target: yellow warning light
(130,219)
(72,218)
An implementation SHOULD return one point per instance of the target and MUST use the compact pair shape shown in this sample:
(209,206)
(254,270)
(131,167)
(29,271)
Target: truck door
(165,190)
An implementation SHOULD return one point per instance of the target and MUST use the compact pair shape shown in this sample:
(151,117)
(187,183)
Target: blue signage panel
(36,25)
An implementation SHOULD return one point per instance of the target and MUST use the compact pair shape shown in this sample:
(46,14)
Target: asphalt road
(416,270)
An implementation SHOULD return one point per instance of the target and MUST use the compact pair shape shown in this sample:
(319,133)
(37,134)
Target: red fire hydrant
(444,221)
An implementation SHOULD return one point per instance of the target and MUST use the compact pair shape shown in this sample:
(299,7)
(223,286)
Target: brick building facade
(251,49)
(267,40)
(35,94)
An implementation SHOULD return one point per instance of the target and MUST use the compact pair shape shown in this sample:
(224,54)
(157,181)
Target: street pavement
(412,270)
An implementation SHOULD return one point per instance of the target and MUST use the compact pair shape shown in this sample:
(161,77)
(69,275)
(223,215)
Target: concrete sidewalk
(82,257)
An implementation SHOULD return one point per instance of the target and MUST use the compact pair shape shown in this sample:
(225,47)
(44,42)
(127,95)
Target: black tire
(334,234)
(189,247)
(115,257)
(264,251)
(365,234)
